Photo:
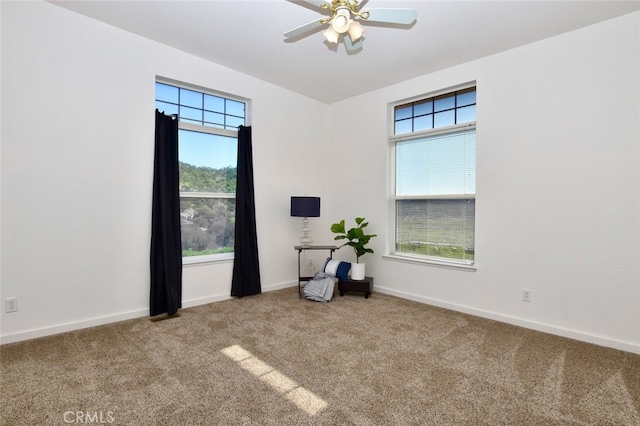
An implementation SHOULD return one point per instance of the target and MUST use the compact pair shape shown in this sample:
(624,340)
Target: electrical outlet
(11,304)
(526,294)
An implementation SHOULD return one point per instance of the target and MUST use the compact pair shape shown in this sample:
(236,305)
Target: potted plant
(358,240)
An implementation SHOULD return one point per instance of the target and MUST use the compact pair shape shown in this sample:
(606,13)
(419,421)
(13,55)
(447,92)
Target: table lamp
(305,207)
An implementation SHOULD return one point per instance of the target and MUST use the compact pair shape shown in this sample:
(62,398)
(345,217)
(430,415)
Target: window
(434,147)
(207,149)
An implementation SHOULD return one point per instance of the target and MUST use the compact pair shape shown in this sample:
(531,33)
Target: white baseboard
(219,298)
(286,284)
(108,319)
(140,313)
(204,300)
(71,326)
(546,328)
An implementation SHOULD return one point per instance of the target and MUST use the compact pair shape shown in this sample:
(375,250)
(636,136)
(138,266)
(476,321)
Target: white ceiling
(247,36)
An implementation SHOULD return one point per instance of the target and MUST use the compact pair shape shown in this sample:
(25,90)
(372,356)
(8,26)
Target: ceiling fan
(345,20)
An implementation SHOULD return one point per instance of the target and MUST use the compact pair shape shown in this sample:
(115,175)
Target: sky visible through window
(202,149)
(207,150)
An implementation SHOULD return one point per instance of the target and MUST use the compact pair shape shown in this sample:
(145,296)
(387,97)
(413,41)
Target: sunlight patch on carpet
(300,396)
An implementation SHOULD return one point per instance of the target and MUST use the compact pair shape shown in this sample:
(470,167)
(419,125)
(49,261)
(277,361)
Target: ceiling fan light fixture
(344,18)
(355,30)
(331,35)
(341,21)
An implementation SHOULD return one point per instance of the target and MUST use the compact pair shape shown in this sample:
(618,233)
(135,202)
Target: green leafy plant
(355,236)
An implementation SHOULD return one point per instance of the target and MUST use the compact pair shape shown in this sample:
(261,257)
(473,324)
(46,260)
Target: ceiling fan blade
(352,47)
(303,29)
(392,16)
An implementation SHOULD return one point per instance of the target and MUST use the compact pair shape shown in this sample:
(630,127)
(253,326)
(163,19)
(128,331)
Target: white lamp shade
(331,35)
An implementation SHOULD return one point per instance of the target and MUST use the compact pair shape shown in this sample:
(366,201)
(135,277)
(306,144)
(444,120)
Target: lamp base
(305,239)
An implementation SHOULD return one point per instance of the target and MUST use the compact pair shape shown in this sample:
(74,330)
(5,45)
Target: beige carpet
(276,359)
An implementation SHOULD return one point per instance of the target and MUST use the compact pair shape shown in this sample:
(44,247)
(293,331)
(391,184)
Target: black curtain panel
(246,269)
(166,247)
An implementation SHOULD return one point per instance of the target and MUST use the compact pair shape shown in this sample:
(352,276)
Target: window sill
(203,260)
(430,262)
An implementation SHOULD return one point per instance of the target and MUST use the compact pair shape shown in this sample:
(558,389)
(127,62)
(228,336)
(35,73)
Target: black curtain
(166,248)
(246,269)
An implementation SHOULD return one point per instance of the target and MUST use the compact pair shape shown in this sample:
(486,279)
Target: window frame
(213,130)
(393,139)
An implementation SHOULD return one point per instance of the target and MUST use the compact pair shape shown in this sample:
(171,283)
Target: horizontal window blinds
(441,165)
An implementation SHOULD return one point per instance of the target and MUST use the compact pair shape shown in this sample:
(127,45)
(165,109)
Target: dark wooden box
(365,285)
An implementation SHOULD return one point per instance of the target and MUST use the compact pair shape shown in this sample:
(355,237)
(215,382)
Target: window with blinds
(435,178)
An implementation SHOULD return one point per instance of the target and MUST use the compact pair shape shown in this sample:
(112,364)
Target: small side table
(365,285)
(300,250)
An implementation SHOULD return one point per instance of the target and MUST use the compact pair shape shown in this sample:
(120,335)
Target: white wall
(558,185)
(77,169)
